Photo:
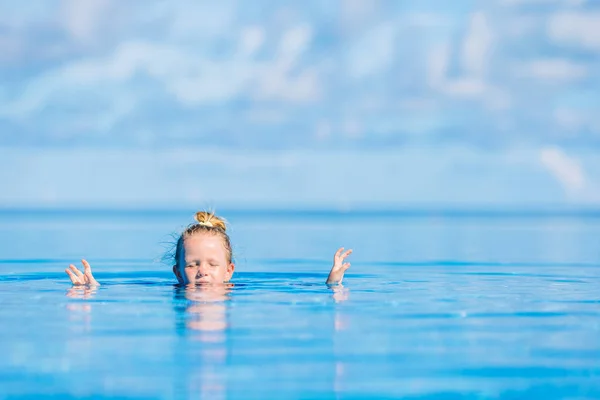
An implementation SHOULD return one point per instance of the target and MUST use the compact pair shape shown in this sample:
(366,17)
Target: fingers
(345,266)
(76,271)
(88,273)
(79,278)
(341,254)
(74,279)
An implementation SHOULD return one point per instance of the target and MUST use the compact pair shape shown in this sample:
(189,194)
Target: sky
(106,103)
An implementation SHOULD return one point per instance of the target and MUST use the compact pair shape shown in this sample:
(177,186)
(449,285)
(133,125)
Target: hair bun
(210,220)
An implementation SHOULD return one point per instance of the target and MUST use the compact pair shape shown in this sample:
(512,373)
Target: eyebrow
(196,260)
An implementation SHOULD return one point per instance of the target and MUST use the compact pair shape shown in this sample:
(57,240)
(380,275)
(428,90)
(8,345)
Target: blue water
(435,305)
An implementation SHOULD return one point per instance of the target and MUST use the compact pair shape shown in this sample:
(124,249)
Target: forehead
(204,245)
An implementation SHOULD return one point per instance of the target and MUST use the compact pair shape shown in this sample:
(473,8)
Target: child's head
(203,252)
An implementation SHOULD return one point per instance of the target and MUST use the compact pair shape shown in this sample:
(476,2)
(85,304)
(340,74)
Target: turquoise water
(435,305)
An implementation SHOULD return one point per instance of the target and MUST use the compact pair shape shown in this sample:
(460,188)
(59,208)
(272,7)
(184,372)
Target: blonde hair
(206,222)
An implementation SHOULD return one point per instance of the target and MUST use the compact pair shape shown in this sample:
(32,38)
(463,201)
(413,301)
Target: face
(203,259)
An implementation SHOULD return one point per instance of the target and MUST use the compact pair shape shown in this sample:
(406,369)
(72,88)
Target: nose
(201,272)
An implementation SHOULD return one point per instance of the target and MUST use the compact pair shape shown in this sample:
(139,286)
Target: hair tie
(206,223)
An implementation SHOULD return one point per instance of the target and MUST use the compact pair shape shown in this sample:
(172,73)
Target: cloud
(477,45)
(474,56)
(565,169)
(82,19)
(131,67)
(252,39)
(437,64)
(281,78)
(190,77)
(578,29)
(552,70)
(294,42)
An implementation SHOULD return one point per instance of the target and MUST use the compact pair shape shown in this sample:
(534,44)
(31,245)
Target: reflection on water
(205,310)
(202,321)
(341,323)
(82,292)
(80,312)
(204,314)
(205,320)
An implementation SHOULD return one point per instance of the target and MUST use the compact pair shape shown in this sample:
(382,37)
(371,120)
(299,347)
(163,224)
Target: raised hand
(85,278)
(339,266)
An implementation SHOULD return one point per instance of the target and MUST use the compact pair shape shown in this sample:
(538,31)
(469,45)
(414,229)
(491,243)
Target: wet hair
(209,223)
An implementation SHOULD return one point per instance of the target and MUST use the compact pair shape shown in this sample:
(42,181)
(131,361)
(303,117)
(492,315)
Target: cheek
(221,271)
(189,273)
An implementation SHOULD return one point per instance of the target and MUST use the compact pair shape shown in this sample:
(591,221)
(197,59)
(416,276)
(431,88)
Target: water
(451,305)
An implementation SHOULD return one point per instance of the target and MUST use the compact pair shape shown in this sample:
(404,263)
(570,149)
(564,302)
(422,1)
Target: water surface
(450,305)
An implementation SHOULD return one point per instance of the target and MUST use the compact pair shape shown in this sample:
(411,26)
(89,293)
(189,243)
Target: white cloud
(474,52)
(93,74)
(576,28)
(477,45)
(294,42)
(557,70)
(437,64)
(252,38)
(278,80)
(82,19)
(465,87)
(276,84)
(189,54)
(190,77)
(566,170)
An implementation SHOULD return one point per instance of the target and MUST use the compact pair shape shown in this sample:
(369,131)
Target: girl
(203,256)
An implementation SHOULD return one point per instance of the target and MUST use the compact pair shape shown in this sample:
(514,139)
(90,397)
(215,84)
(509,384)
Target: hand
(85,278)
(339,267)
